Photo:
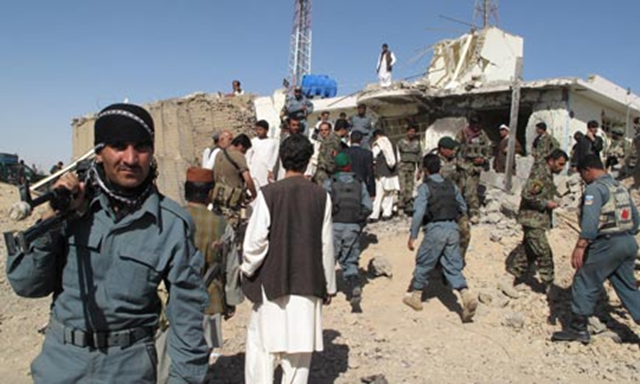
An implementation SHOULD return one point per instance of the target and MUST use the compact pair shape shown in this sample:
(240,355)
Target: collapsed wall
(183,129)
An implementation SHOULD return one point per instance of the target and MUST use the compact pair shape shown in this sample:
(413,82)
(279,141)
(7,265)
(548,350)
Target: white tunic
(261,159)
(209,157)
(290,324)
(384,75)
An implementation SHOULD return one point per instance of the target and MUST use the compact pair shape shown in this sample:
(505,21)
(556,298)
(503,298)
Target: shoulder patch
(588,200)
(536,187)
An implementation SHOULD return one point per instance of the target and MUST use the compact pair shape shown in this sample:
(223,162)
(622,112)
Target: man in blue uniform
(438,206)
(606,249)
(351,208)
(104,266)
(299,107)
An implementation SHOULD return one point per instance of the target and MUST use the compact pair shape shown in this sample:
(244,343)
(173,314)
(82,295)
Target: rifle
(59,199)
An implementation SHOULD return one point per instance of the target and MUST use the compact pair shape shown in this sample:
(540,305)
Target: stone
(485,297)
(514,320)
(495,236)
(611,336)
(492,218)
(510,206)
(596,326)
(375,379)
(380,266)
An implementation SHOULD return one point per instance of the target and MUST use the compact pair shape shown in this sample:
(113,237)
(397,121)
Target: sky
(64,59)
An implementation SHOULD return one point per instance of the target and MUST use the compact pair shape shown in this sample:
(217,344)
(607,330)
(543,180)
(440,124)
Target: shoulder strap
(231,160)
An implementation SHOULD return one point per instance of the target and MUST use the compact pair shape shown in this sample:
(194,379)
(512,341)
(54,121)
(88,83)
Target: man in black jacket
(362,162)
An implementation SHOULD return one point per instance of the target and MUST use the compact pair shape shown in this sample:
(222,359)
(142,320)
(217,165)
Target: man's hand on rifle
(70,182)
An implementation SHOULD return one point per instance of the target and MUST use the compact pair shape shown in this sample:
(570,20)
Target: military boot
(469,305)
(414,300)
(354,288)
(576,331)
(507,286)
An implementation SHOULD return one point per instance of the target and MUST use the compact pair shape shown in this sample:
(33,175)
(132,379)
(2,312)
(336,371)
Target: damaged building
(471,74)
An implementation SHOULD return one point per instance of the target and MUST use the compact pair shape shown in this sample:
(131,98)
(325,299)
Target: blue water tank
(319,86)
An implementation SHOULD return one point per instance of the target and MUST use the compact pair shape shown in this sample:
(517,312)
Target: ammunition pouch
(226,196)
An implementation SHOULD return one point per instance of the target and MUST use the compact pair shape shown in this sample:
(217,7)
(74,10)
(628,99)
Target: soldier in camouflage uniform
(535,213)
(330,144)
(446,151)
(617,153)
(542,145)
(409,153)
(474,154)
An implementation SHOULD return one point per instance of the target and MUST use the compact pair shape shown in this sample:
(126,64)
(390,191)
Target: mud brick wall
(183,130)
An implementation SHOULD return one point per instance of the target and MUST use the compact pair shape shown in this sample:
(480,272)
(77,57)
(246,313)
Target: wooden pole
(513,124)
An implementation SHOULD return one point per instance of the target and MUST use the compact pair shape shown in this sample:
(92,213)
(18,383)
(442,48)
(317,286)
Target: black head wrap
(123,123)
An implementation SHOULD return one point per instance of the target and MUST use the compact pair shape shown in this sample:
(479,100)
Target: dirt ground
(507,343)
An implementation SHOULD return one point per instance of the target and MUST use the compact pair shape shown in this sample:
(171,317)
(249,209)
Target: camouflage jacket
(618,149)
(472,148)
(543,145)
(409,151)
(329,148)
(538,190)
(449,169)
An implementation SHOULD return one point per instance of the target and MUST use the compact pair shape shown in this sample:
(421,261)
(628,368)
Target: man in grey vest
(351,207)
(437,208)
(606,249)
(289,270)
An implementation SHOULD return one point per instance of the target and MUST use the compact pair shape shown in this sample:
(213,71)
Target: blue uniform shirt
(595,196)
(421,204)
(104,276)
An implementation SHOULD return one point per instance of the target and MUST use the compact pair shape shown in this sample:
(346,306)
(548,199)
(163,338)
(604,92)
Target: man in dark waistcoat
(289,270)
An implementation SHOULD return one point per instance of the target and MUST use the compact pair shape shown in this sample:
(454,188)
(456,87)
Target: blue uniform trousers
(608,257)
(441,243)
(67,363)
(346,243)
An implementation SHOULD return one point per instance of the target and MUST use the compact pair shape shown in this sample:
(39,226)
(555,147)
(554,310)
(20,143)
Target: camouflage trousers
(407,176)
(536,249)
(465,236)
(471,184)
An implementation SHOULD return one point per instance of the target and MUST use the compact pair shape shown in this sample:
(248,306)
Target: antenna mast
(300,46)
(487,10)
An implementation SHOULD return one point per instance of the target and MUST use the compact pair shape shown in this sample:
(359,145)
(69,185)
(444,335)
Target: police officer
(449,169)
(437,208)
(351,208)
(104,267)
(474,153)
(409,152)
(299,107)
(361,122)
(606,249)
(536,206)
(330,145)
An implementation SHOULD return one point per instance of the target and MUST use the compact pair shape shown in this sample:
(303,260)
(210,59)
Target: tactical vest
(615,216)
(410,151)
(443,205)
(345,197)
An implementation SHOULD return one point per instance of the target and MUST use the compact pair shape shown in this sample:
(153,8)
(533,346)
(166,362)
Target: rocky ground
(507,343)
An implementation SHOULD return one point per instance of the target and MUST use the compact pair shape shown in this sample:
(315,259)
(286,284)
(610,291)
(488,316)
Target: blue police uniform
(104,275)
(346,235)
(612,250)
(441,242)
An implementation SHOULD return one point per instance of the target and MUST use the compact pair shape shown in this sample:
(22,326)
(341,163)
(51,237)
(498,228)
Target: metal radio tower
(300,47)
(487,11)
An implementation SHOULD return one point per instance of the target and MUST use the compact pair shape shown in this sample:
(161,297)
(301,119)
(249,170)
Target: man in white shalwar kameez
(387,182)
(262,157)
(386,61)
(288,271)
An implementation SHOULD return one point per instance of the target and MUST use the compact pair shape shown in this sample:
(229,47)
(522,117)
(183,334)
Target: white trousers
(383,202)
(260,364)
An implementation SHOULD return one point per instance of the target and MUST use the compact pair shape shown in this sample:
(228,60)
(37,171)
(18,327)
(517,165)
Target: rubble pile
(569,190)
